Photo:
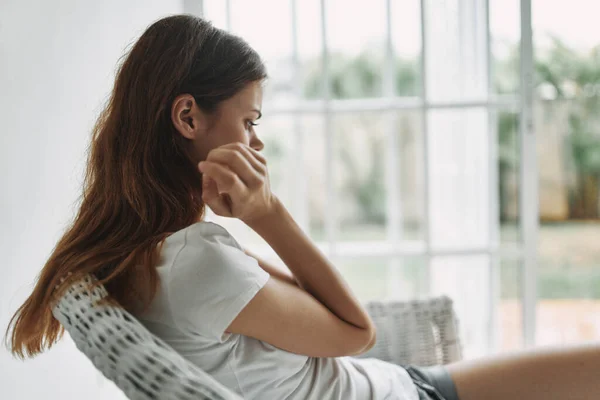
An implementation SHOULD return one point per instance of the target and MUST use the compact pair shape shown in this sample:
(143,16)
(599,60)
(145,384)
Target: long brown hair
(141,181)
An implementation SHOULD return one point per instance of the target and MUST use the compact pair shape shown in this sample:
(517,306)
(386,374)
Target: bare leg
(569,373)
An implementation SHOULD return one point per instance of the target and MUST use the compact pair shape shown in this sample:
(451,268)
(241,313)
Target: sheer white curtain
(456,71)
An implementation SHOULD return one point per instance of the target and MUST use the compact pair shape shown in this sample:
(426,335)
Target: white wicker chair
(419,332)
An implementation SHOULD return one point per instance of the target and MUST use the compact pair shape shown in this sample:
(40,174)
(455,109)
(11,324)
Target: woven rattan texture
(419,332)
(139,363)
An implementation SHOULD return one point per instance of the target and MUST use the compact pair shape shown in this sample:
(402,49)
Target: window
(395,137)
(567,124)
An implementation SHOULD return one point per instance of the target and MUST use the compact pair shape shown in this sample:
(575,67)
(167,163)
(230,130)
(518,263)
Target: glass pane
(510,306)
(406,41)
(310,46)
(406,278)
(380,278)
(568,282)
(359,168)
(549,22)
(367,277)
(357,55)
(505,36)
(568,309)
(466,280)
(409,171)
(508,156)
(273,44)
(277,134)
(566,117)
(313,141)
(568,278)
(356,38)
(459,178)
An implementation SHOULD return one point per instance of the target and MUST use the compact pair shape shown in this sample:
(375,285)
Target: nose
(256,143)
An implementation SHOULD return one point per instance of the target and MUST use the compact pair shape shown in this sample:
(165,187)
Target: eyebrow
(258,112)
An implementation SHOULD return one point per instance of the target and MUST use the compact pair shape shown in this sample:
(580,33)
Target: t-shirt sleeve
(211,281)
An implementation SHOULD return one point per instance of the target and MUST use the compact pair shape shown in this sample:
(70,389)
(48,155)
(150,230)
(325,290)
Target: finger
(209,189)
(238,162)
(219,206)
(259,166)
(225,179)
(255,153)
(256,159)
(258,156)
(211,197)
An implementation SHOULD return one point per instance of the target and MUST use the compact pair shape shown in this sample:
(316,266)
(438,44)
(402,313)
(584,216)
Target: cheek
(222,134)
(230,133)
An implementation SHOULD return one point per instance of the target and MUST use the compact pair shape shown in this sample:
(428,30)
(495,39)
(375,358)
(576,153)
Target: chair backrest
(418,332)
(140,364)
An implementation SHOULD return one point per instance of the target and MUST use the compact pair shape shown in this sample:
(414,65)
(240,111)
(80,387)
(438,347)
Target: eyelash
(251,124)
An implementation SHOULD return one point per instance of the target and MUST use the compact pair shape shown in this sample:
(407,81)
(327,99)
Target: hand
(235,183)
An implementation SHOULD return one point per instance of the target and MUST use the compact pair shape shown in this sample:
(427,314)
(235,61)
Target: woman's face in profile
(233,121)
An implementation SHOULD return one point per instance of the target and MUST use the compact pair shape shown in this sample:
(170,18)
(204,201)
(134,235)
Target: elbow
(370,338)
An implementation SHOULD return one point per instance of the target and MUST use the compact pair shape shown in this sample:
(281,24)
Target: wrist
(274,212)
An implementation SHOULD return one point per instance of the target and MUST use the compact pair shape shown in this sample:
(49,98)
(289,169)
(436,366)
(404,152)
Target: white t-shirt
(206,280)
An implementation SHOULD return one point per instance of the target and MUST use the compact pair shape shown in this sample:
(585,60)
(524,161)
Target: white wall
(57,61)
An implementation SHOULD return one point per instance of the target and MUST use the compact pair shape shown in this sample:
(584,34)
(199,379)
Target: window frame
(394,247)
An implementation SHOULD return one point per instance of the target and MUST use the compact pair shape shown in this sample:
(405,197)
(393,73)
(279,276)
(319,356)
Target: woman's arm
(311,268)
(273,270)
(322,318)
(288,277)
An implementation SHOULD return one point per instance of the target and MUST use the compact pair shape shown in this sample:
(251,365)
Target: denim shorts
(433,383)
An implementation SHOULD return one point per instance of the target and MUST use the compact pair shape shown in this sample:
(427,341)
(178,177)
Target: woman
(178,134)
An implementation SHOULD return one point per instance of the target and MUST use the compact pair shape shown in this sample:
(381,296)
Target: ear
(187,117)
